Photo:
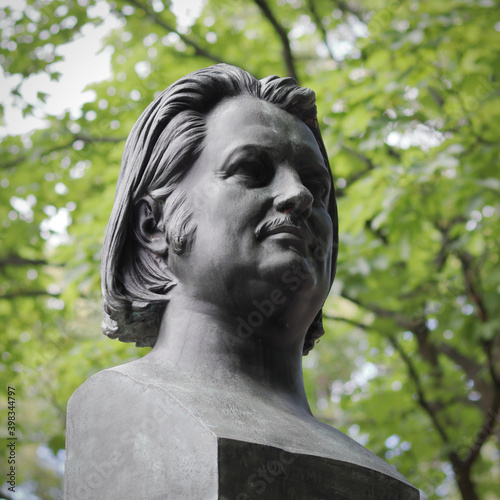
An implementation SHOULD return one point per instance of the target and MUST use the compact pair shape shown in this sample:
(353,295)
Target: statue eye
(318,189)
(253,171)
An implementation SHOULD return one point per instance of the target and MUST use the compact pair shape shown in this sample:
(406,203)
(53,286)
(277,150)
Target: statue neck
(201,344)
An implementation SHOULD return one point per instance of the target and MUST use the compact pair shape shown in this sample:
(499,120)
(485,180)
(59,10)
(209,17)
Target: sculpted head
(188,136)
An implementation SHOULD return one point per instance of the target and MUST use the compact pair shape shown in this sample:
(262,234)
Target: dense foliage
(409,98)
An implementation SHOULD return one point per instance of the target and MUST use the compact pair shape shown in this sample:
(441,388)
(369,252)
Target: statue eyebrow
(312,164)
(245,150)
(318,168)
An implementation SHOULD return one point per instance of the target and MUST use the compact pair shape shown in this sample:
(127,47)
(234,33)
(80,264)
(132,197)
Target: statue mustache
(289,223)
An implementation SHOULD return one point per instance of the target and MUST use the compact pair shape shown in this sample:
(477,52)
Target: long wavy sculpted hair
(161,148)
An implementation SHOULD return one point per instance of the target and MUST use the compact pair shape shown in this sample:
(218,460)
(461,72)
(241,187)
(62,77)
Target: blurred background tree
(409,103)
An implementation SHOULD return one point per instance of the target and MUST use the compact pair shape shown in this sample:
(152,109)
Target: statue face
(259,193)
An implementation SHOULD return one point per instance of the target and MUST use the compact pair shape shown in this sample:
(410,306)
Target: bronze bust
(220,252)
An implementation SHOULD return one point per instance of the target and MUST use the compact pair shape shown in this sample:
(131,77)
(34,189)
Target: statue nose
(293,197)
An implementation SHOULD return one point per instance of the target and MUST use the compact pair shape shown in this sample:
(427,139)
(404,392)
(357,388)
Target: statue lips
(288,232)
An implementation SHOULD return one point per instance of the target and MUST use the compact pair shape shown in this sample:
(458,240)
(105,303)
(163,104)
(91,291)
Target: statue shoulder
(118,423)
(129,376)
(99,385)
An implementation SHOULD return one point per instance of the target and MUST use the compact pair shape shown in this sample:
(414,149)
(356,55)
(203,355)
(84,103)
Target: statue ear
(147,216)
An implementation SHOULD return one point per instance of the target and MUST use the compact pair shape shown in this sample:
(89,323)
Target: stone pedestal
(128,438)
(247,471)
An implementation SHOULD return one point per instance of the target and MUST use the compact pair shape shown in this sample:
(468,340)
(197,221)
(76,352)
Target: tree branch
(377,232)
(467,363)
(283,35)
(22,158)
(474,295)
(82,137)
(319,25)
(488,346)
(470,367)
(487,429)
(429,351)
(434,93)
(88,139)
(444,229)
(347,320)
(16,260)
(421,398)
(367,161)
(400,319)
(26,293)
(345,7)
(199,51)
(416,324)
